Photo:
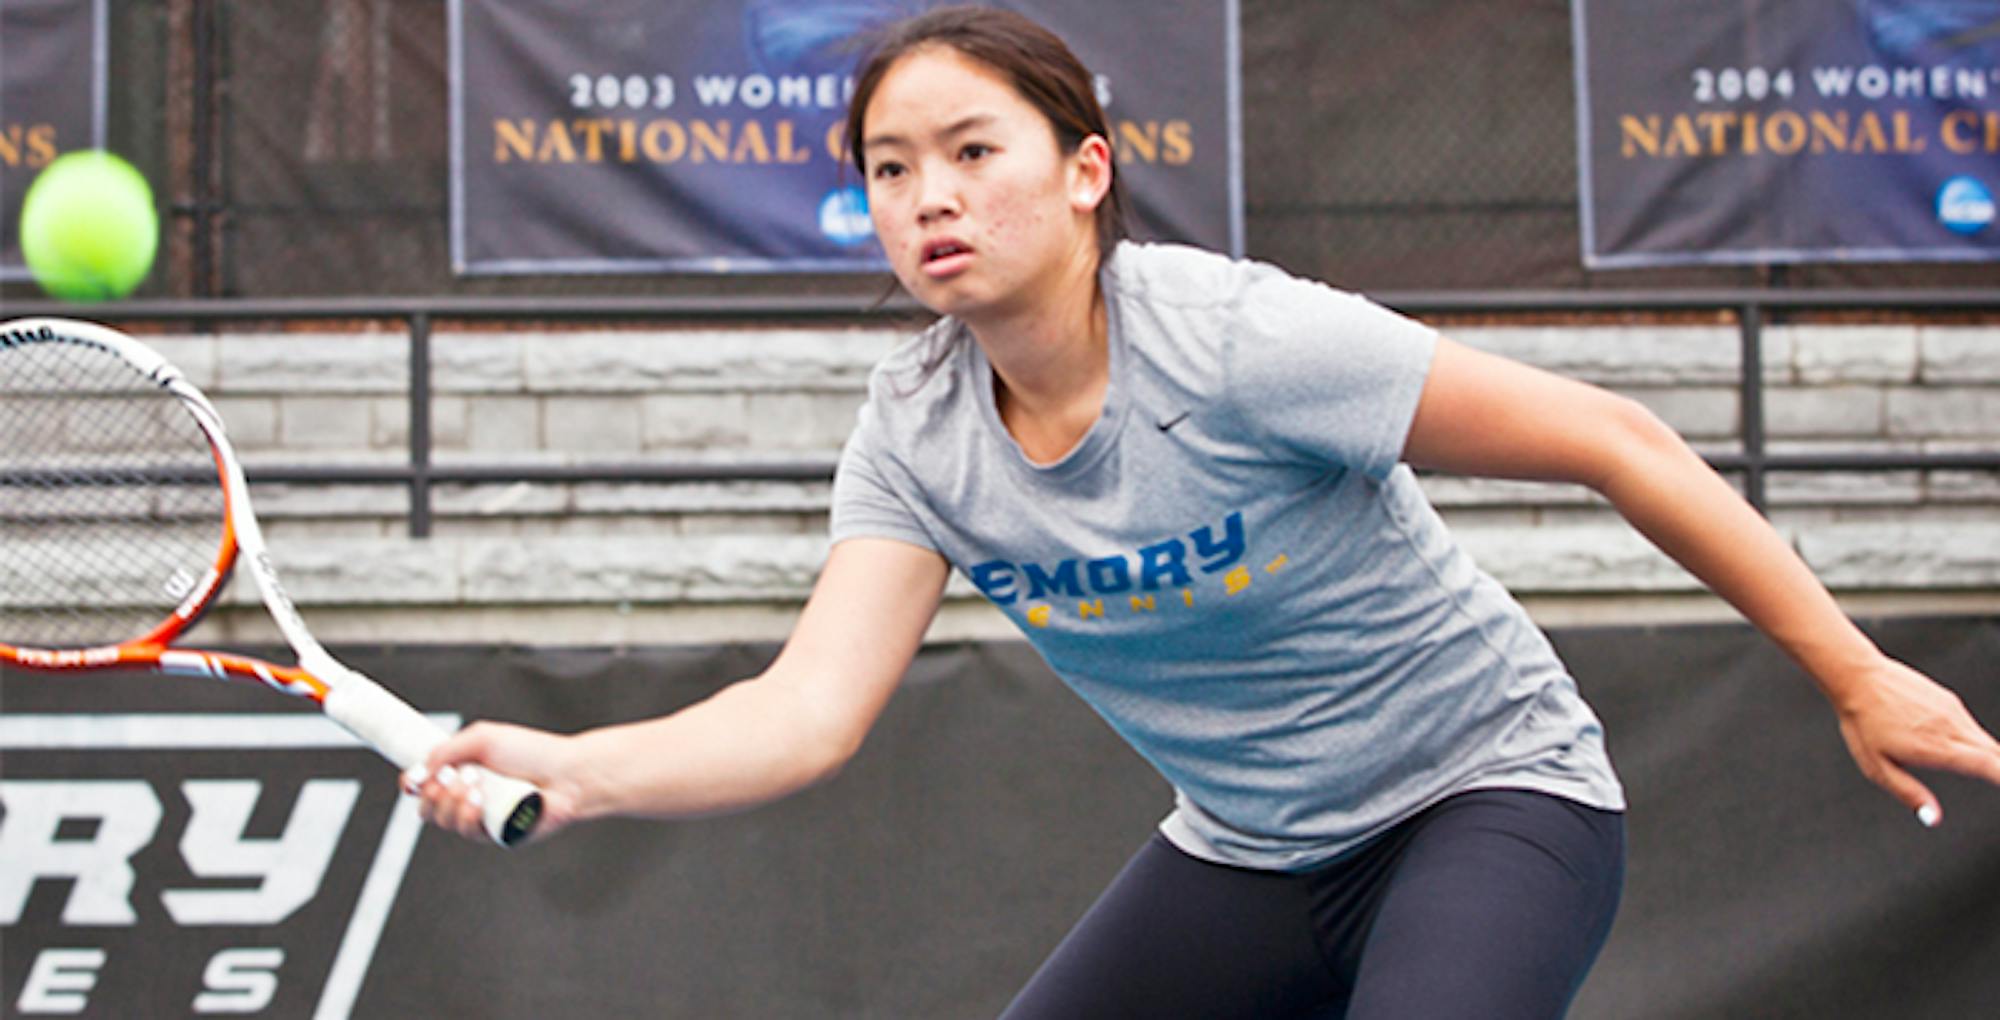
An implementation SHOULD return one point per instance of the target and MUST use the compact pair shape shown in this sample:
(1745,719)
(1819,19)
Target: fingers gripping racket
(123,510)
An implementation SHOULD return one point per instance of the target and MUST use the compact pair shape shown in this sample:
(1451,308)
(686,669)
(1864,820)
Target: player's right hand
(447,784)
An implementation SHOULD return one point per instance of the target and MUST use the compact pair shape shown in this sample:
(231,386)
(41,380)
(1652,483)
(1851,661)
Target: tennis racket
(123,512)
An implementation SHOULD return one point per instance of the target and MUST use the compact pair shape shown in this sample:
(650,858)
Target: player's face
(979,210)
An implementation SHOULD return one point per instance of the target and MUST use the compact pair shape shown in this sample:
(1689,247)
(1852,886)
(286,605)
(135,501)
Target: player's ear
(1089,174)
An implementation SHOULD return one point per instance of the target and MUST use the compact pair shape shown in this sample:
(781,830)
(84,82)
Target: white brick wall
(629,396)
(290,363)
(326,423)
(252,421)
(1836,409)
(1618,355)
(1949,412)
(1959,354)
(496,425)
(1831,355)
(605,425)
(694,421)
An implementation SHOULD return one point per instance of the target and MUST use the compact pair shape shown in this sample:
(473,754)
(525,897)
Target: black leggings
(1490,904)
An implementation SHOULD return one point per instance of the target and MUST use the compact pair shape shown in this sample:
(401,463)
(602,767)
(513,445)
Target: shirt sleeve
(865,502)
(1325,375)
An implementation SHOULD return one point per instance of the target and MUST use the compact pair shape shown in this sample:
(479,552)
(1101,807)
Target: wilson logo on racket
(180,584)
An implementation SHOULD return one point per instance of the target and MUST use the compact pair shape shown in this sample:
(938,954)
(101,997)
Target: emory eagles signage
(1767,131)
(627,136)
(175,863)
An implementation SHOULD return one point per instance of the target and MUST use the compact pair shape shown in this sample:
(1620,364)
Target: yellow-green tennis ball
(88,227)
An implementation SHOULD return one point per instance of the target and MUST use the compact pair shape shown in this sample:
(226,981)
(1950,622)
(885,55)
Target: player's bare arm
(795,724)
(1485,415)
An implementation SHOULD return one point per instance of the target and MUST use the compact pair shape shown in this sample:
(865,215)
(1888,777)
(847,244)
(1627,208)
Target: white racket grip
(405,737)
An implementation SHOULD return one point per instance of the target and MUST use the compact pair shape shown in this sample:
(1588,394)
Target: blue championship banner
(676,135)
(1769,131)
(52,89)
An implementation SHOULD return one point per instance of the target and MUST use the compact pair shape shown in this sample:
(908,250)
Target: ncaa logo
(1964,205)
(182,863)
(843,217)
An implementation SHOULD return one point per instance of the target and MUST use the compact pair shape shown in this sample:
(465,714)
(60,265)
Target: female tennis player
(1189,480)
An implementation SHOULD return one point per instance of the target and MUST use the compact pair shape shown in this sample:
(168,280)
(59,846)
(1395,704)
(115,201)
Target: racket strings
(111,512)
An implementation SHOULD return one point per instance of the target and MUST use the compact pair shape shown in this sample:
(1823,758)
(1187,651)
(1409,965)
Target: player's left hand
(1900,720)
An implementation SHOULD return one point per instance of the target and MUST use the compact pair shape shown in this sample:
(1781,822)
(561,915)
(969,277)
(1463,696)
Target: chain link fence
(300,149)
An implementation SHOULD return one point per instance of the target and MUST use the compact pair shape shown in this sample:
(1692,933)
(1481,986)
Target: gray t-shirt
(1232,567)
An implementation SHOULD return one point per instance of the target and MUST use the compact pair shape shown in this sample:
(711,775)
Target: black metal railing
(1752,310)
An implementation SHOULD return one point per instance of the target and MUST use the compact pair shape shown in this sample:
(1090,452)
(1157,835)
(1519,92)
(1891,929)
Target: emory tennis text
(1170,565)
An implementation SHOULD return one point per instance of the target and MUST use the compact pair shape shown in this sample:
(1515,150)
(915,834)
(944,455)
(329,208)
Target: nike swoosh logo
(1173,421)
